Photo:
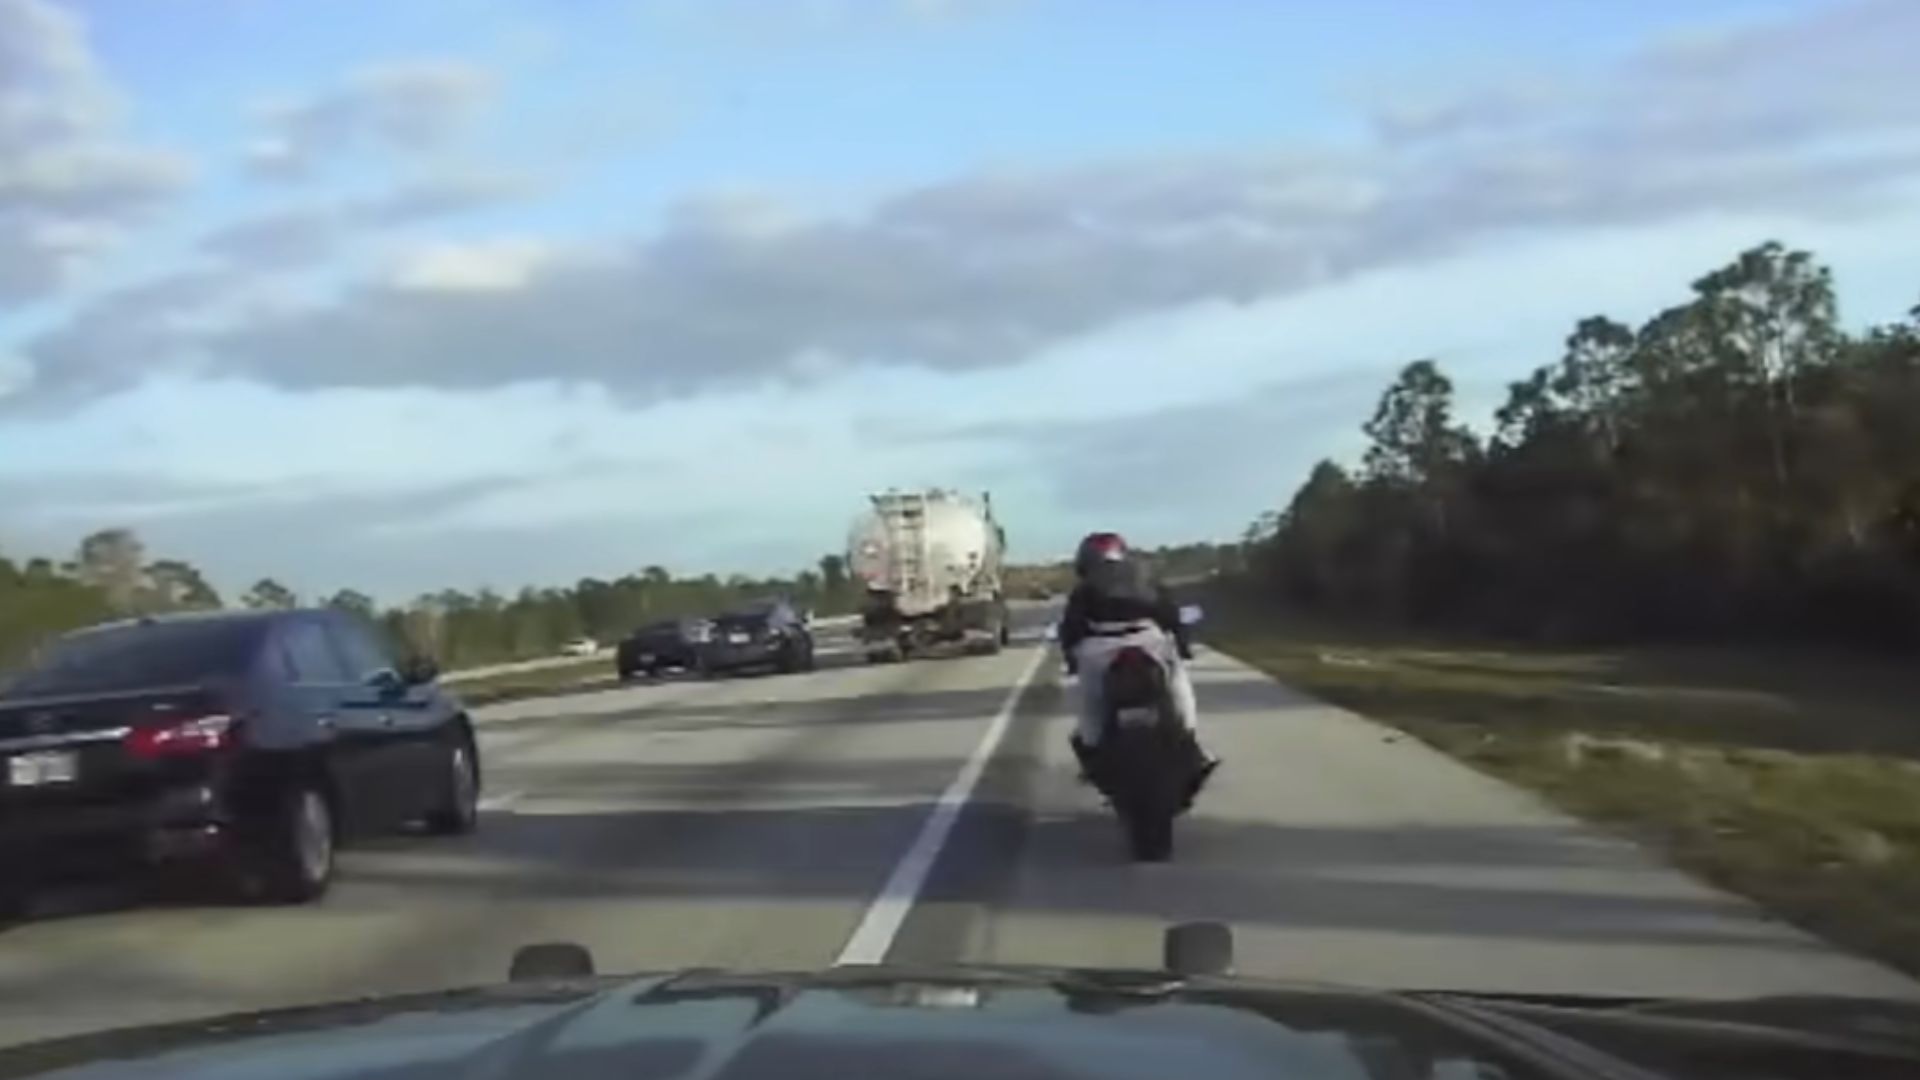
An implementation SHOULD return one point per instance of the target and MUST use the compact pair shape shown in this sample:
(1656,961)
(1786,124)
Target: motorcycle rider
(1116,604)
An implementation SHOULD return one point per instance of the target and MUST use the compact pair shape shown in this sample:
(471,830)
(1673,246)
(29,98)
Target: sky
(452,293)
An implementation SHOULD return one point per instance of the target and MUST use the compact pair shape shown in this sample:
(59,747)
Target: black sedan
(655,647)
(251,741)
(768,634)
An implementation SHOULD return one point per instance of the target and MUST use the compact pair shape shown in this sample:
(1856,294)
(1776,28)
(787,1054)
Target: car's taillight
(198,735)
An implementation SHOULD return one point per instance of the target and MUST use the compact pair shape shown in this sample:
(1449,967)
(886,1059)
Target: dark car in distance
(657,646)
(248,741)
(766,634)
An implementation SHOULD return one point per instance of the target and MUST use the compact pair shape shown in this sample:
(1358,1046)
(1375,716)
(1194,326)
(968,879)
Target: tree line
(1173,564)
(1738,465)
(110,576)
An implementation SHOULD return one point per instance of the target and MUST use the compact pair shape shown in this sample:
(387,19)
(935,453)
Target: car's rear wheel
(459,808)
(291,861)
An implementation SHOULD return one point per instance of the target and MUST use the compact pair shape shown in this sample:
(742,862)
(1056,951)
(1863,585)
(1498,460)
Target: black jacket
(1115,592)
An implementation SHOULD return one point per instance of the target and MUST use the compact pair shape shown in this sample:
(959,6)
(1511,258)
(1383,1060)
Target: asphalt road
(783,821)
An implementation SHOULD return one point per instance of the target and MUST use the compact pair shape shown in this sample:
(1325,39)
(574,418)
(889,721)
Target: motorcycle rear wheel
(1149,833)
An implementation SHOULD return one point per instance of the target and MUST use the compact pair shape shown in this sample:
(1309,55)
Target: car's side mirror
(387,683)
(1192,614)
(1197,948)
(550,960)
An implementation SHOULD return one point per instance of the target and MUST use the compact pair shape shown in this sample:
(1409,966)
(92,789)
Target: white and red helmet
(1097,548)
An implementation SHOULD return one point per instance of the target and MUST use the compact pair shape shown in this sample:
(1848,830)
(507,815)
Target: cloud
(407,108)
(1840,71)
(69,187)
(499,266)
(300,236)
(987,270)
(1170,427)
(437,196)
(1196,469)
(779,22)
(281,238)
(165,323)
(541,486)
(218,527)
(100,348)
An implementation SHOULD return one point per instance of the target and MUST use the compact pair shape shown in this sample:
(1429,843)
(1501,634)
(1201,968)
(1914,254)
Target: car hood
(975,1022)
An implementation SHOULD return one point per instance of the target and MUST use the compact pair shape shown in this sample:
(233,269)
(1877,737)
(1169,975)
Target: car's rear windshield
(139,656)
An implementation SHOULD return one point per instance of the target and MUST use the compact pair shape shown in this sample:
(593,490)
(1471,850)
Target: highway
(782,822)
(832,624)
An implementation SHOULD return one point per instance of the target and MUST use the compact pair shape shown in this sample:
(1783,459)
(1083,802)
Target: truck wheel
(997,636)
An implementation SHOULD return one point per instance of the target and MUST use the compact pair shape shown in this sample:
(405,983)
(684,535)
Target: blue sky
(420,294)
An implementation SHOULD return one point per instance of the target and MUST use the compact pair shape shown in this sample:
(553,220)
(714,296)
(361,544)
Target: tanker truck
(929,563)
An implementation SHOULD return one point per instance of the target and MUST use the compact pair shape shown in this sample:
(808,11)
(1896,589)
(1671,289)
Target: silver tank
(923,547)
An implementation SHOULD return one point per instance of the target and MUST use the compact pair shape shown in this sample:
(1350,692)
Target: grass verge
(588,674)
(1792,778)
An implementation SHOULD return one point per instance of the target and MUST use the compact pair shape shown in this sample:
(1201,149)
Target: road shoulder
(1343,850)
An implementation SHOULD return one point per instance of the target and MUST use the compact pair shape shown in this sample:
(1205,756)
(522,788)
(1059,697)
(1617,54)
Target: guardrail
(517,666)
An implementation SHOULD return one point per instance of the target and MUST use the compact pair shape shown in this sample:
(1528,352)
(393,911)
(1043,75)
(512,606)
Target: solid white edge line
(888,912)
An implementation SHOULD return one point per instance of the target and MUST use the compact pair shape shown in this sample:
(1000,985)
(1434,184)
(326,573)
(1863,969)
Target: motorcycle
(1148,766)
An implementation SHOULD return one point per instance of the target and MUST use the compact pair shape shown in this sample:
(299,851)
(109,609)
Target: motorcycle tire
(1149,834)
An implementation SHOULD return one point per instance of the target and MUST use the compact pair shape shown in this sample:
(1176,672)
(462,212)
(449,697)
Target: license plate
(738,638)
(646,658)
(1138,716)
(39,770)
